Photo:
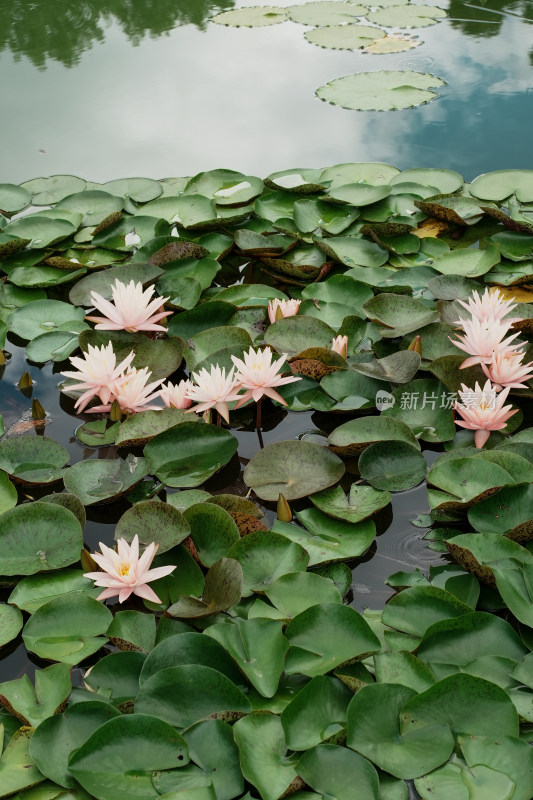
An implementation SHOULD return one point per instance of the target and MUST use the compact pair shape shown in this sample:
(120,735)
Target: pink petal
(480,437)
(147,593)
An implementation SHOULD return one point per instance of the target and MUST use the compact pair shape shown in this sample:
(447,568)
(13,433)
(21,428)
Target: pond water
(108,89)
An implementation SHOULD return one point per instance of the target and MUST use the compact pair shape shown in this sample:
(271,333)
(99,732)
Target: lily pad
(325,543)
(43,316)
(326,635)
(47,191)
(294,469)
(394,466)
(95,205)
(118,761)
(141,190)
(41,231)
(222,590)
(468,262)
(101,481)
(102,281)
(67,629)
(10,624)
(400,314)
(161,356)
(186,455)
(333,770)
(344,37)
(34,591)
(499,185)
(272,773)
(32,704)
(381,91)
(425,406)
(362,502)
(506,512)
(251,17)
(352,437)
(13,198)
(153,521)
(8,493)
(264,557)
(325,12)
(33,460)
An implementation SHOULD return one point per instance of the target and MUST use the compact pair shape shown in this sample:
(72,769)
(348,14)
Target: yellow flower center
(124,569)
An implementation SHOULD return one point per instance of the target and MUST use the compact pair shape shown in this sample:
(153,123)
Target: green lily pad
(415,609)
(120,758)
(353,437)
(294,592)
(8,493)
(333,770)
(53,346)
(13,198)
(43,277)
(425,406)
(225,187)
(32,704)
(41,231)
(445,180)
(468,262)
(352,173)
(299,468)
(43,316)
(381,91)
(399,367)
(141,190)
(47,191)
(403,668)
(326,635)
(310,214)
(325,543)
(95,205)
(292,335)
(362,502)
(407,16)
(16,767)
(251,17)
(264,557)
(36,537)
(400,314)
(351,251)
(506,512)
(258,646)
(133,630)
(61,734)
(345,37)
(188,693)
(33,460)
(34,591)
(499,185)
(213,531)
(102,281)
(469,478)
(394,466)
(10,624)
(97,433)
(376,730)
(351,389)
(325,12)
(317,712)
(100,481)
(186,455)
(222,590)
(263,755)
(67,629)
(153,521)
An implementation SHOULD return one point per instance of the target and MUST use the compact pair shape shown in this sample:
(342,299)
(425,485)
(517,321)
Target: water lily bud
(88,564)
(37,411)
(25,381)
(115,412)
(284,510)
(2,358)
(416,345)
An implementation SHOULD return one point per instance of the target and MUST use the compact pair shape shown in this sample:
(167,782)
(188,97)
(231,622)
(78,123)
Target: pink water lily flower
(258,375)
(340,345)
(124,573)
(483,411)
(213,389)
(97,373)
(490,304)
(176,395)
(133,393)
(132,310)
(282,308)
(506,369)
(483,338)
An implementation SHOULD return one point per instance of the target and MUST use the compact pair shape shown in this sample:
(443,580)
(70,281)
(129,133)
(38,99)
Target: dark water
(115,88)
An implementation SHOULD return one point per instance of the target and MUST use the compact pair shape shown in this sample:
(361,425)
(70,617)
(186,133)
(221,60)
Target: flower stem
(258,417)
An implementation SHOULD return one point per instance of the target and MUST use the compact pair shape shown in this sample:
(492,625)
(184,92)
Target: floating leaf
(407,16)
(186,455)
(153,521)
(362,502)
(333,770)
(263,755)
(222,590)
(34,591)
(10,624)
(499,185)
(392,465)
(294,468)
(325,12)
(13,198)
(344,37)
(99,480)
(47,191)
(381,91)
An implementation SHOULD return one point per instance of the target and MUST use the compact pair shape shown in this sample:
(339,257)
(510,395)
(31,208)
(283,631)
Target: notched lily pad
(251,17)
(381,91)
(101,481)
